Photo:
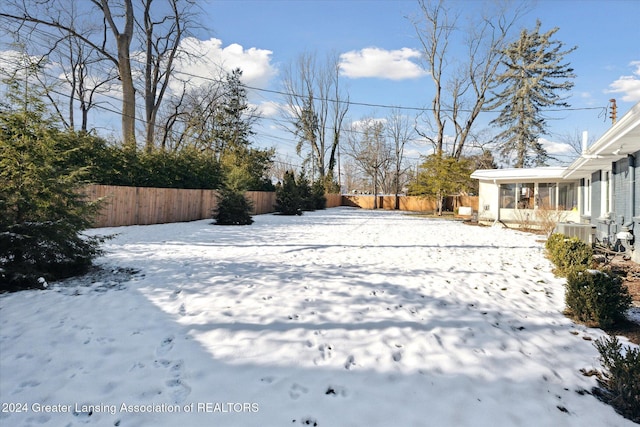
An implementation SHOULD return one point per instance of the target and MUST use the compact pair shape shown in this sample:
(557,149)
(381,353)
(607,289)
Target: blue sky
(263,36)
(381,64)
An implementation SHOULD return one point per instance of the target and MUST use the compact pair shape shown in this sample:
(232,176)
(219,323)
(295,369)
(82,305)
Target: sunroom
(526,197)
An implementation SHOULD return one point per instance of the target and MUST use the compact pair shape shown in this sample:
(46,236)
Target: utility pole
(614,111)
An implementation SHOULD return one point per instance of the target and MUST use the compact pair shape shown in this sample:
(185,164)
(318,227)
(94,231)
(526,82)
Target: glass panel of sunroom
(546,196)
(525,195)
(567,196)
(508,196)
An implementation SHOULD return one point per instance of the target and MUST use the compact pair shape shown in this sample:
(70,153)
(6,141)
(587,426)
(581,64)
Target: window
(508,196)
(525,196)
(567,196)
(546,196)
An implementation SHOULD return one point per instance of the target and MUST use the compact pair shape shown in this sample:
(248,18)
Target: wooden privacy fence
(409,203)
(333,200)
(144,205)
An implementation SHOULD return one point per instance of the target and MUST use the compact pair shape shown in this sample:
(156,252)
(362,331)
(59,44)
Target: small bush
(317,195)
(621,378)
(233,209)
(596,298)
(288,199)
(568,254)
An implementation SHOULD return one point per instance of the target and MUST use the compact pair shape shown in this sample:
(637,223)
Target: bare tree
(190,119)
(460,88)
(400,130)
(159,36)
(368,146)
(84,73)
(574,140)
(162,36)
(316,108)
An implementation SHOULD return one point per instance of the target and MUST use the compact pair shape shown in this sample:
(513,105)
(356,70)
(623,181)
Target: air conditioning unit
(584,232)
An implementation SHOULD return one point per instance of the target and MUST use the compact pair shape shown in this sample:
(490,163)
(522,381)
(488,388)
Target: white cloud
(207,59)
(386,64)
(629,86)
(556,148)
(269,109)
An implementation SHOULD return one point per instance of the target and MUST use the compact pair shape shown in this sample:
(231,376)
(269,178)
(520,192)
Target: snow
(342,317)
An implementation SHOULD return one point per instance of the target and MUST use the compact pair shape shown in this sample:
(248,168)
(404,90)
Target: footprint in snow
(308,421)
(351,362)
(297,390)
(176,367)
(267,380)
(165,346)
(326,350)
(179,390)
(336,391)
(162,363)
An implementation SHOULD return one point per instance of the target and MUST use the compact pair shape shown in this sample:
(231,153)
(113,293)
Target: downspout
(632,187)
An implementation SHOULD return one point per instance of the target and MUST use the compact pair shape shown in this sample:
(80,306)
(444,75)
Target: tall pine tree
(535,74)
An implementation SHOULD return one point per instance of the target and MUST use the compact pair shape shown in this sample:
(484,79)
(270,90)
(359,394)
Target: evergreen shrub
(288,199)
(596,297)
(317,196)
(621,378)
(568,254)
(42,212)
(233,209)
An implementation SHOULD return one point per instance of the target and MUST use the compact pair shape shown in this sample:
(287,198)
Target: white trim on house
(622,139)
(539,174)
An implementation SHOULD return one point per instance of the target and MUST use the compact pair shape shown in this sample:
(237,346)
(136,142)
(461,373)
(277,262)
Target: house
(609,191)
(518,197)
(598,190)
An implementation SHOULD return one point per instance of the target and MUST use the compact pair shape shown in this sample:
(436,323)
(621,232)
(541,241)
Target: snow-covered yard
(341,317)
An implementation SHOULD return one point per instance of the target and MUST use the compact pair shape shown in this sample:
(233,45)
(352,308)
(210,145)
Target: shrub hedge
(596,298)
(621,378)
(568,254)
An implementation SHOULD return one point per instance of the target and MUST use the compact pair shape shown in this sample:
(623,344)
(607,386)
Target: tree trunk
(128,96)
(123,43)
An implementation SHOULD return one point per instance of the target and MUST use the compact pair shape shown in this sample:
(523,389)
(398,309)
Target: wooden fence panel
(407,203)
(140,205)
(143,206)
(333,200)
(263,201)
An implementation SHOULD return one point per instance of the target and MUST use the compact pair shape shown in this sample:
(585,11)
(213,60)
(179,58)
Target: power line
(338,101)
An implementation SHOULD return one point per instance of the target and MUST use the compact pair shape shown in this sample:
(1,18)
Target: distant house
(600,189)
